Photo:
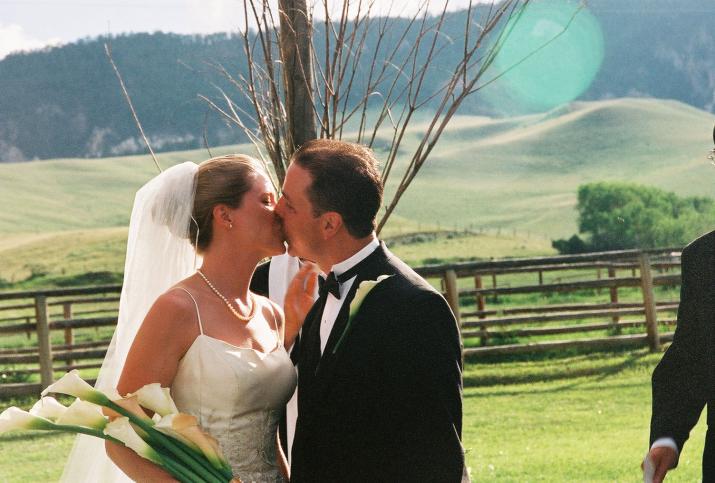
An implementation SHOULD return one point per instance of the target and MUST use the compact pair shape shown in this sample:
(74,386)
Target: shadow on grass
(562,368)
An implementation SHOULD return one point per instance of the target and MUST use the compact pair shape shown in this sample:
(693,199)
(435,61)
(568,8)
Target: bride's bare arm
(282,460)
(299,299)
(164,336)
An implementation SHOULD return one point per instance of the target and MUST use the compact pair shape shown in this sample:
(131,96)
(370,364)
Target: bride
(219,347)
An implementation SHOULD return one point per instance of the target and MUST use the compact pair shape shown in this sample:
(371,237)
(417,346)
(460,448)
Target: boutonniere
(363,289)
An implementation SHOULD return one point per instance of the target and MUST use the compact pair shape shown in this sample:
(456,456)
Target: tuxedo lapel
(310,345)
(372,267)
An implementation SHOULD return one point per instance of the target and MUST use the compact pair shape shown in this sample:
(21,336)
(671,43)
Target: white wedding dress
(237,394)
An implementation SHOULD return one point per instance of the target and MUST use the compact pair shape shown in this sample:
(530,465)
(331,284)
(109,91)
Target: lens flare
(550,55)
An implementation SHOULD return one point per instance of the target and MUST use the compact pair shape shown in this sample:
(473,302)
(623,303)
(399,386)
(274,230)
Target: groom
(379,398)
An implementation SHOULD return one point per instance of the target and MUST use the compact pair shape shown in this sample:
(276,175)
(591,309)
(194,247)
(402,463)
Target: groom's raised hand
(300,297)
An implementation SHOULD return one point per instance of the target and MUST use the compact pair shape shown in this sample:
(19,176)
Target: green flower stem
(180,472)
(219,466)
(80,429)
(343,335)
(196,461)
(177,470)
(199,465)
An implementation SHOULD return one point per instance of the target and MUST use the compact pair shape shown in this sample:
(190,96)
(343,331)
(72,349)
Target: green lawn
(548,418)
(580,418)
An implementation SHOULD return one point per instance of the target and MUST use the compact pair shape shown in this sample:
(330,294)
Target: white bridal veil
(159,254)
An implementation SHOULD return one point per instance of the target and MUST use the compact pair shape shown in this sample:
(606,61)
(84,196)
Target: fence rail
(492,300)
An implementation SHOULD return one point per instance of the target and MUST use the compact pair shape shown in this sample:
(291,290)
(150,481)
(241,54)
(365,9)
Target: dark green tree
(617,216)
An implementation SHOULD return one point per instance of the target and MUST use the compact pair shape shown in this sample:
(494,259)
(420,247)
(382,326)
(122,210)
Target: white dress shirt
(666,442)
(333,305)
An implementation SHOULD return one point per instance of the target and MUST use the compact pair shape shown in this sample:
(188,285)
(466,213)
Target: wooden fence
(50,319)
(605,276)
(63,326)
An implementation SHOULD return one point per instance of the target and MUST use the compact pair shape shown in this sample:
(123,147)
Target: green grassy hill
(524,172)
(509,174)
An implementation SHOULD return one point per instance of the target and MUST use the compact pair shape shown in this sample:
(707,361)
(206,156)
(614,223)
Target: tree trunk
(296,31)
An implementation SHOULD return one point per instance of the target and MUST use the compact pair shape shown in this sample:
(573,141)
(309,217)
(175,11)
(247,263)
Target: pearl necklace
(235,312)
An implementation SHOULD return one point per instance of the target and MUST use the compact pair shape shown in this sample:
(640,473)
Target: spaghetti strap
(201,327)
(279,327)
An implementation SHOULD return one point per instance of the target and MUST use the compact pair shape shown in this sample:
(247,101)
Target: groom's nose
(278,210)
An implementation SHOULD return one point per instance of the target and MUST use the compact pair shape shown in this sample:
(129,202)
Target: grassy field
(575,418)
(62,258)
(510,173)
(553,418)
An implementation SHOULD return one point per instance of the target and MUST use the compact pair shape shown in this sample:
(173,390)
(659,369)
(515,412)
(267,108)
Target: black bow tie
(332,283)
(329,285)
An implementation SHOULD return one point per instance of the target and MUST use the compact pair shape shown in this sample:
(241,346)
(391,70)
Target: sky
(33,24)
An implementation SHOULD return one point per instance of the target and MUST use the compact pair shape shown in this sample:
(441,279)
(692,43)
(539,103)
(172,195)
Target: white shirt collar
(362,254)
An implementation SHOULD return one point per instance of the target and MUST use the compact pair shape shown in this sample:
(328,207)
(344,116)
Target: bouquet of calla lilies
(171,439)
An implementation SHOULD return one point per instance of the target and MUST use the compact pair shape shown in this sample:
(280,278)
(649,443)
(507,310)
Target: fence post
(495,297)
(69,335)
(43,340)
(481,307)
(450,282)
(651,319)
(614,299)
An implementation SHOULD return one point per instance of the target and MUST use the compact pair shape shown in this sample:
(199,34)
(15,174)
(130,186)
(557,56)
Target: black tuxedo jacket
(684,380)
(386,404)
(259,281)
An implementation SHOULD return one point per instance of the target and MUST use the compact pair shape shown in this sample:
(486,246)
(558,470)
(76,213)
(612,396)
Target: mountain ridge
(65,101)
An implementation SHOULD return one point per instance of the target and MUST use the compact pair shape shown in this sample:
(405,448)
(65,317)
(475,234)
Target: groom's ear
(330,224)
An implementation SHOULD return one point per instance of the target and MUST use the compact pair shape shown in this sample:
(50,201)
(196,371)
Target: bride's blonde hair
(220,180)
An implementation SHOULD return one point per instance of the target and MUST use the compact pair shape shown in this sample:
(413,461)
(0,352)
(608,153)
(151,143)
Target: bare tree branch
(382,87)
(108,51)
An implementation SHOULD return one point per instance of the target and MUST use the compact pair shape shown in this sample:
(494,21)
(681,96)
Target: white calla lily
(131,405)
(48,408)
(170,426)
(112,394)
(14,418)
(361,293)
(83,413)
(122,430)
(73,385)
(185,428)
(156,398)
(363,289)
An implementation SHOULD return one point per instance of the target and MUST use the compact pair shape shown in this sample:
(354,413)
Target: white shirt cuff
(667,443)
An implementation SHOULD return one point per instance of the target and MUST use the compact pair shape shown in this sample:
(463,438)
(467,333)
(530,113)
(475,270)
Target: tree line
(617,216)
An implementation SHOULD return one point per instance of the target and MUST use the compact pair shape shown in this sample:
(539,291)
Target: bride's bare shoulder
(173,310)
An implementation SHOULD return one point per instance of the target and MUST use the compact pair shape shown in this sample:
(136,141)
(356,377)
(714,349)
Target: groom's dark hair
(346,180)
